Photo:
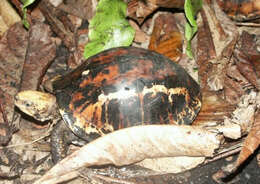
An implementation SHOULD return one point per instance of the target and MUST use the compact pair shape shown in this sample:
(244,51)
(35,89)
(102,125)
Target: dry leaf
(235,84)
(214,108)
(40,53)
(168,3)
(166,38)
(8,16)
(241,10)
(13,46)
(243,115)
(171,164)
(251,143)
(134,144)
(139,10)
(224,35)
(84,9)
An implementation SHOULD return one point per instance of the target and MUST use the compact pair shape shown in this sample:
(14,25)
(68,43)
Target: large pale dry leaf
(134,144)
(171,164)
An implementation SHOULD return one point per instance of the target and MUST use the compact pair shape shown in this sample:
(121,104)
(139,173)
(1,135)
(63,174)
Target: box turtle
(117,88)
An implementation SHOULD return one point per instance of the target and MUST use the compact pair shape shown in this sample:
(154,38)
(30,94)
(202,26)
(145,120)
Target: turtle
(115,89)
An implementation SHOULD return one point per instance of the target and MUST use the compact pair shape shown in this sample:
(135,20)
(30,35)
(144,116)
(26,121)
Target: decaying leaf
(134,144)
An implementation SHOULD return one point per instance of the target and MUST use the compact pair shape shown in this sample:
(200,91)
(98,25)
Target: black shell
(124,87)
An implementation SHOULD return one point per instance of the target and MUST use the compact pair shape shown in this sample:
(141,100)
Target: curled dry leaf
(250,144)
(243,115)
(134,144)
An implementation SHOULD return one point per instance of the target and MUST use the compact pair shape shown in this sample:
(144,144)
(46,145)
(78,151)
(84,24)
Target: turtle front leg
(61,138)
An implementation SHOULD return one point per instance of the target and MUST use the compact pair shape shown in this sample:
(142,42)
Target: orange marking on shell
(90,115)
(110,76)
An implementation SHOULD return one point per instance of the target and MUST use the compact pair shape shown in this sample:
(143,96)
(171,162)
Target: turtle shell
(123,87)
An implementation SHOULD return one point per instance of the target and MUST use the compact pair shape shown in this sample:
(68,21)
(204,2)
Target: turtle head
(41,106)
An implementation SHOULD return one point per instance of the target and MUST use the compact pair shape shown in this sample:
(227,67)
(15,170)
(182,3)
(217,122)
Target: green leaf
(24,9)
(109,27)
(191,8)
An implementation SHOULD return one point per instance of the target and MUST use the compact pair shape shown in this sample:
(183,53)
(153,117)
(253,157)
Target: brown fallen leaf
(251,143)
(139,10)
(166,38)
(241,10)
(5,129)
(134,144)
(13,46)
(235,84)
(168,3)
(84,9)
(224,35)
(214,108)
(41,51)
(247,58)
(62,25)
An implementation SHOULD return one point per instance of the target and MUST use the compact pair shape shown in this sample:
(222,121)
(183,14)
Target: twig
(248,24)
(27,143)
